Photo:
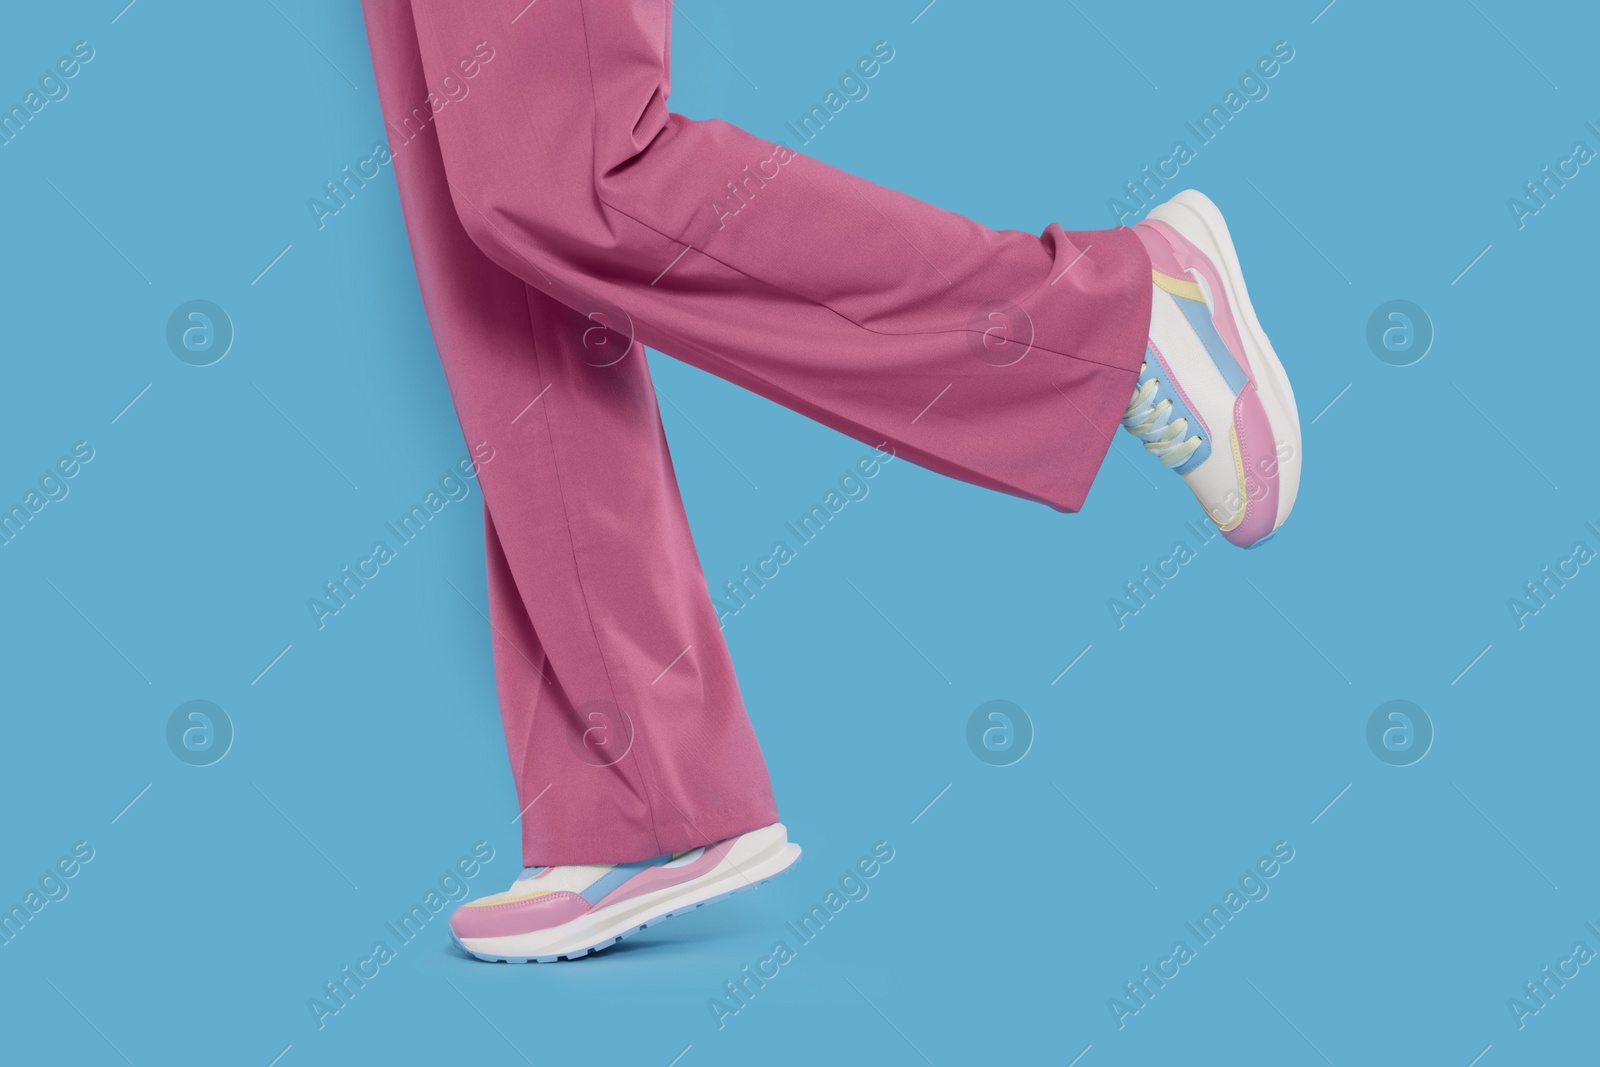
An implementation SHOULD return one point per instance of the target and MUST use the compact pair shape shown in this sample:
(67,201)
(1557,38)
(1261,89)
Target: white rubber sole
(756,858)
(1193,214)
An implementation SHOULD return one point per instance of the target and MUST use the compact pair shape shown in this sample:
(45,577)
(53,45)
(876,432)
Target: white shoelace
(1151,421)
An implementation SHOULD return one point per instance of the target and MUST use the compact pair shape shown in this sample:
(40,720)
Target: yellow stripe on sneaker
(506,900)
(1238,470)
(1180,287)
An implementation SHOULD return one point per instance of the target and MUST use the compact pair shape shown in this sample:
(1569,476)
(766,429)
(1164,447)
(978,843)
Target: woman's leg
(876,314)
(999,358)
(626,731)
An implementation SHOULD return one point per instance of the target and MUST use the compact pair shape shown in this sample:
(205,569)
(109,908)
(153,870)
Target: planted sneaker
(554,913)
(1213,401)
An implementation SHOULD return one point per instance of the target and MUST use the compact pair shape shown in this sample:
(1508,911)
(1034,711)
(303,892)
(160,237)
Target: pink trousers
(561,218)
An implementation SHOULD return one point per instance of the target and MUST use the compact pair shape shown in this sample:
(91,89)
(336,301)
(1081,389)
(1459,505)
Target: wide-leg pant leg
(850,303)
(626,731)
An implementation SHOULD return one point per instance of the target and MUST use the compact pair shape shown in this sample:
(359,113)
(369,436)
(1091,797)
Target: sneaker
(1213,402)
(554,913)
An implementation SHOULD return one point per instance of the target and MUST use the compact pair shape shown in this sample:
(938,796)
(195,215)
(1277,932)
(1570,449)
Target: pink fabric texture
(558,196)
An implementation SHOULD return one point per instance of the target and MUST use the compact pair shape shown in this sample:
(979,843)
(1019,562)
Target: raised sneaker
(1213,402)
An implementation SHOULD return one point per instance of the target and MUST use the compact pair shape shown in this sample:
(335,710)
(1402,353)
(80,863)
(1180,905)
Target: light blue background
(1224,718)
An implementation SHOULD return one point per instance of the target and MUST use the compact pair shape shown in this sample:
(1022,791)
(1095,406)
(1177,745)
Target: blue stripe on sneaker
(1199,317)
(616,876)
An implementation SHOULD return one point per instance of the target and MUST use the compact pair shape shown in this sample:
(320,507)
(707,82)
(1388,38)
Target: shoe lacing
(1151,421)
